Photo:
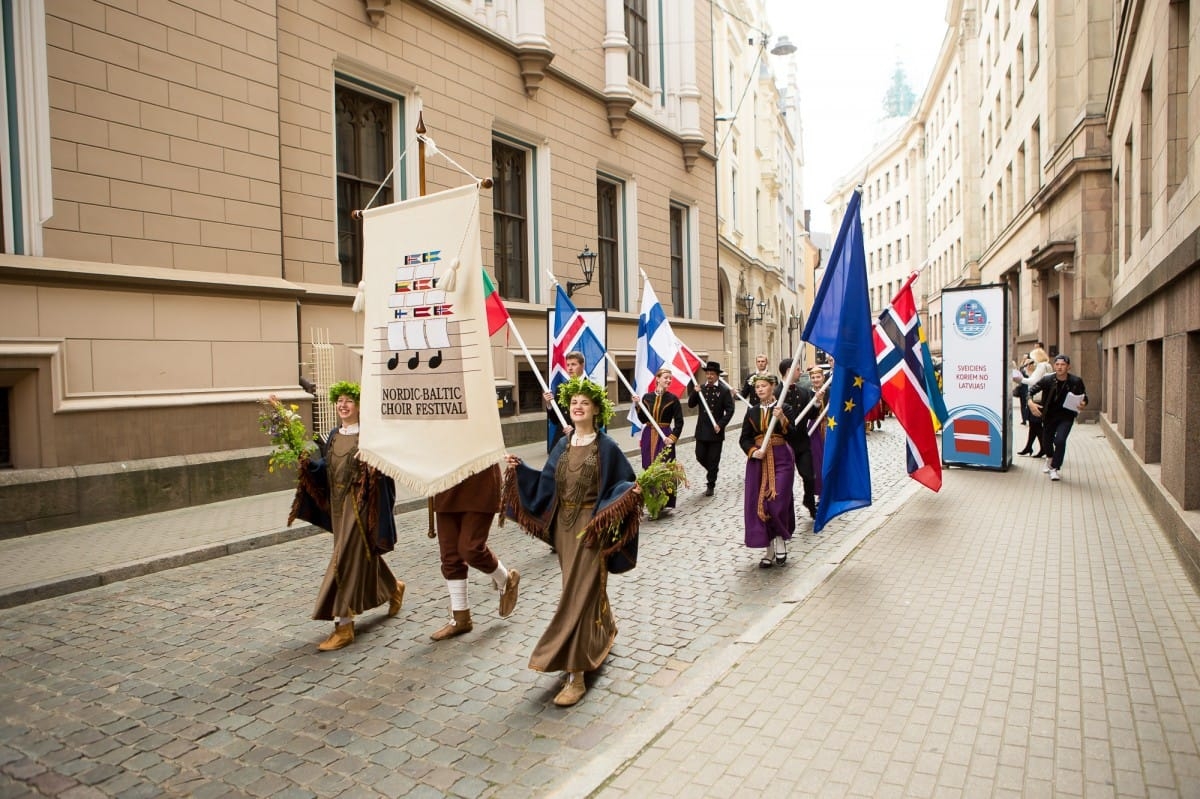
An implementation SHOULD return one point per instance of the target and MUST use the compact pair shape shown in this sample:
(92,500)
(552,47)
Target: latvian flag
(972,435)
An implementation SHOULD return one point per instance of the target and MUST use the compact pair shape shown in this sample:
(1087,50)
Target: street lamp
(587,262)
(782,47)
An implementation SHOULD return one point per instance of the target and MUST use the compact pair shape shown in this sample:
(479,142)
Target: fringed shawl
(530,498)
(371,490)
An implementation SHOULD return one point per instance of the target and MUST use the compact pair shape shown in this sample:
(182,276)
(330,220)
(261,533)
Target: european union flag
(840,324)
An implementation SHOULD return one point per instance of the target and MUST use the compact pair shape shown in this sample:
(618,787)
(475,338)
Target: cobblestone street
(205,680)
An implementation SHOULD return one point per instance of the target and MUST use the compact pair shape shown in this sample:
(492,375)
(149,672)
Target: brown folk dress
(583,629)
(357,579)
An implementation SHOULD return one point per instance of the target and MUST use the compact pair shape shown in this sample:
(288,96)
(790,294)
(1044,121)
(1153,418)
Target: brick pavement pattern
(1010,636)
(932,657)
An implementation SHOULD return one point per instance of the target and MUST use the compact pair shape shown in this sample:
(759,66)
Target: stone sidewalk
(1009,636)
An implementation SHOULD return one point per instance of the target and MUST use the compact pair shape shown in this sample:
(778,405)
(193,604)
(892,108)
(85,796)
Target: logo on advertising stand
(971,320)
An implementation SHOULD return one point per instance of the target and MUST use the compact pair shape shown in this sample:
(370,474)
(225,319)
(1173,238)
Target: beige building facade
(1060,160)
(179,182)
(760,192)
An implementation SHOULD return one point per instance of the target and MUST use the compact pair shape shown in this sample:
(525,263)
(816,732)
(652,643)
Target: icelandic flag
(656,347)
(840,324)
(571,333)
(898,351)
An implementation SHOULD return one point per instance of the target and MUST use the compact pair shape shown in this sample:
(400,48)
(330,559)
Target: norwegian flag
(898,353)
(658,347)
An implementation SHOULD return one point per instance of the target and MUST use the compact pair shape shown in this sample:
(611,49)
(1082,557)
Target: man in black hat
(711,423)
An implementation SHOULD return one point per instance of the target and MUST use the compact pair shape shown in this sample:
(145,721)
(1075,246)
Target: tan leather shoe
(397,599)
(343,635)
(508,597)
(461,623)
(573,691)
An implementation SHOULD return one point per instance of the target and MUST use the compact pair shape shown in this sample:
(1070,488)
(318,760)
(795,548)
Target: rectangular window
(1146,155)
(678,258)
(608,231)
(1008,193)
(510,218)
(1035,39)
(1127,215)
(1119,221)
(364,163)
(1035,155)
(1178,129)
(733,193)
(636,31)
(1019,176)
(1019,65)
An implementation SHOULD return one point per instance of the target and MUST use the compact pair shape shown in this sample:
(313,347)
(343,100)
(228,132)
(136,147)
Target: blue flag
(840,324)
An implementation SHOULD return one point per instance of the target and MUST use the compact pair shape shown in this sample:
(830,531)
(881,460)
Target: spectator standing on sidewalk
(464,515)
(769,509)
(360,502)
(710,432)
(586,502)
(1037,371)
(1056,392)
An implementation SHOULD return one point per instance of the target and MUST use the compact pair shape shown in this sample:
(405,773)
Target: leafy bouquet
(288,434)
(660,481)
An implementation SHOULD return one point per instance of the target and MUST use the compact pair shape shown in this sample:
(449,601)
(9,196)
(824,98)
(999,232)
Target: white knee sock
(340,620)
(499,576)
(458,594)
(780,546)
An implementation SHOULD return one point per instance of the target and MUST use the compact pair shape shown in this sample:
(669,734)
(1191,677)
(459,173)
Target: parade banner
(428,411)
(975,381)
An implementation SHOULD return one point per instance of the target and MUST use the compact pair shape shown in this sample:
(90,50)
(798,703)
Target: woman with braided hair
(769,508)
(586,503)
(355,502)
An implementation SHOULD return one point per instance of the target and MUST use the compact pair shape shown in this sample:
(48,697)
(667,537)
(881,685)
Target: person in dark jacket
(714,417)
(769,510)
(797,399)
(1057,399)
(761,366)
(668,417)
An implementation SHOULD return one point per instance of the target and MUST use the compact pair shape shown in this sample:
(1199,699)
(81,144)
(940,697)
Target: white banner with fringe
(428,411)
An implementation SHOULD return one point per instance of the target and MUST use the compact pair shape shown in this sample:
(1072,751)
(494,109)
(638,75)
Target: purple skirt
(780,511)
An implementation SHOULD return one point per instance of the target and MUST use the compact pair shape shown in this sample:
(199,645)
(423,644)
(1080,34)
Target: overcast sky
(847,51)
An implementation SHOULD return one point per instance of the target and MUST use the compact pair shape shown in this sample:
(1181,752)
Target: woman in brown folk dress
(358,502)
(586,503)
